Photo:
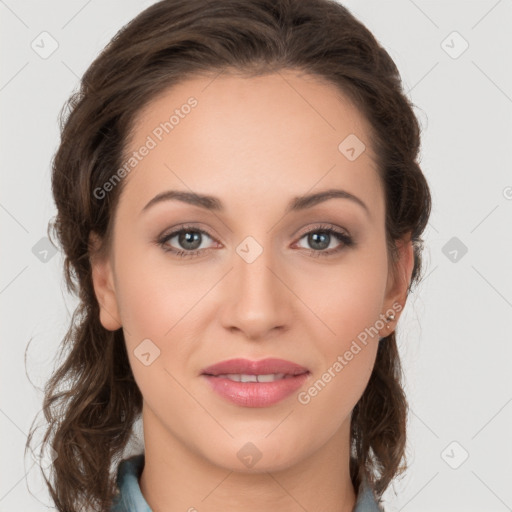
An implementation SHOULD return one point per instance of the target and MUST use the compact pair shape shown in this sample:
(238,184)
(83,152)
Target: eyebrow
(214,204)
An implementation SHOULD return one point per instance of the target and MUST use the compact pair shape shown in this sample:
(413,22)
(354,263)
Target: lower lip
(256,394)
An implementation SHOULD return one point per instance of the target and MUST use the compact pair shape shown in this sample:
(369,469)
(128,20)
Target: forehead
(252,104)
(252,138)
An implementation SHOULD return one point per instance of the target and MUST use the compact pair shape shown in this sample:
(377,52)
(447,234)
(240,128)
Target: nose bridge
(252,266)
(256,301)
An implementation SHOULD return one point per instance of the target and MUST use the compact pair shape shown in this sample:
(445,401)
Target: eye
(322,237)
(188,239)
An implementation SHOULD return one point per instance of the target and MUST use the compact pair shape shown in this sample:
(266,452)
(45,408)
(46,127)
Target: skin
(255,143)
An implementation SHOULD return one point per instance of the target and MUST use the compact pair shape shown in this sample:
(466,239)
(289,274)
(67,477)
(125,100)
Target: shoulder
(366,500)
(129,497)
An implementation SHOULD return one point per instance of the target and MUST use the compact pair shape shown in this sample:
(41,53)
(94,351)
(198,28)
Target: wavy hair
(91,400)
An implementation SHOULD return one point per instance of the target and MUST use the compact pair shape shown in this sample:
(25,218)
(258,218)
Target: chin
(259,456)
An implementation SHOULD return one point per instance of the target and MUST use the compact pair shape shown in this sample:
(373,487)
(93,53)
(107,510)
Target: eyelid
(184,227)
(303,231)
(172,232)
(321,226)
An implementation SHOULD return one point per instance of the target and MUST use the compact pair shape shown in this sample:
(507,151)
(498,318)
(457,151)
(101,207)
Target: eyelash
(347,241)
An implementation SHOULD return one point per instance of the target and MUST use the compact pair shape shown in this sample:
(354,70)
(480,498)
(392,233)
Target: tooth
(266,378)
(237,377)
(248,378)
(270,377)
(233,376)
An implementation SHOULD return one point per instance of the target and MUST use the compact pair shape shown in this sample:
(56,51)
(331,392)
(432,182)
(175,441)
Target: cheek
(333,393)
(156,317)
(154,292)
(349,309)
(347,298)
(347,303)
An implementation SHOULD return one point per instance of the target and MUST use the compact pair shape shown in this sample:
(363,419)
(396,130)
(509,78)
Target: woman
(241,209)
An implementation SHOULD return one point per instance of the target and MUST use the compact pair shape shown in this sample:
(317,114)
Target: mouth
(245,377)
(255,383)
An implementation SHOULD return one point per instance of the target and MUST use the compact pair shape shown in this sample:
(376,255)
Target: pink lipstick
(255,383)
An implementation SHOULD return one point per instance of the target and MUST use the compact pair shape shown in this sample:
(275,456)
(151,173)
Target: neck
(175,477)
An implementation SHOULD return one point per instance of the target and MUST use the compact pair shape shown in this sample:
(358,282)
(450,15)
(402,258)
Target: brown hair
(92,401)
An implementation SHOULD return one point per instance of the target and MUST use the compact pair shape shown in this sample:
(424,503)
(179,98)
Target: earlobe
(103,282)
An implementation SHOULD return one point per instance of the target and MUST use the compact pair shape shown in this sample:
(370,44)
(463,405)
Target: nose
(256,300)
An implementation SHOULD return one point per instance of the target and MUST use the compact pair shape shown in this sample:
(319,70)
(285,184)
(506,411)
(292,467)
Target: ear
(103,282)
(398,283)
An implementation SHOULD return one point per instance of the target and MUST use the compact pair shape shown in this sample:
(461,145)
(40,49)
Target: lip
(255,394)
(265,366)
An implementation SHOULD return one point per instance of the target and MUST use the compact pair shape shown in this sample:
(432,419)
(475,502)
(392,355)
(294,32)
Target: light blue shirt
(130,498)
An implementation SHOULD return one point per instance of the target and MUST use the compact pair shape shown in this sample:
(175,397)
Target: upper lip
(262,367)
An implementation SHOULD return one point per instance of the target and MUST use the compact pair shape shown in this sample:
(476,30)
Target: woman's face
(251,283)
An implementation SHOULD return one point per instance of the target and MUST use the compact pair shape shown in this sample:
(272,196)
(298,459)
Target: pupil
(314,240)
(185,238)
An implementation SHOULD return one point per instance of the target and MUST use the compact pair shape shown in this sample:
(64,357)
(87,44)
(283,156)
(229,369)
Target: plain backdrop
(454,336)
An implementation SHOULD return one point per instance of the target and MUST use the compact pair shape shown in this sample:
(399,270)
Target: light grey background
(455,332)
